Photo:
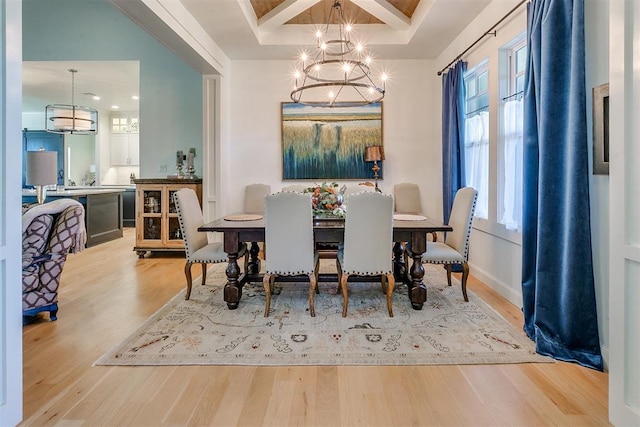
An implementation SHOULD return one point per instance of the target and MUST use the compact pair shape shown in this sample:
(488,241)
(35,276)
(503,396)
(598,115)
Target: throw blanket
(55,207)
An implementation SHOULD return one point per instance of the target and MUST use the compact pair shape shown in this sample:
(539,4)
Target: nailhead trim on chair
(361,273)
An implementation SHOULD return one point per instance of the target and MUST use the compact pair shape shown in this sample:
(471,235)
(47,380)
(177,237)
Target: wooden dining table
(325,231)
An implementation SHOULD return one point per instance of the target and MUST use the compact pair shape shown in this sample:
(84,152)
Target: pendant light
(71,119)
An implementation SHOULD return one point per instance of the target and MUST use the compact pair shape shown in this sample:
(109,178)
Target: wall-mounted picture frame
(601,129)
(329,142)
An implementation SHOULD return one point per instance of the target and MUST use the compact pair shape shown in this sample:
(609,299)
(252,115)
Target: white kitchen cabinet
(125,139)
(125,149)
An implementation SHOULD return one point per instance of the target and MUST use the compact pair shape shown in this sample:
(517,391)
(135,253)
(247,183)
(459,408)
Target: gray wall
(170,91)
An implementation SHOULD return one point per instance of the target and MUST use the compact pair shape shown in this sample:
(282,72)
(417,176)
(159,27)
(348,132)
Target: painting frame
(601,129)
(329,143)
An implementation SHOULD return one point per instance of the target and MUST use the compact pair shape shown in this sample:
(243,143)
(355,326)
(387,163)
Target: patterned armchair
(49,232)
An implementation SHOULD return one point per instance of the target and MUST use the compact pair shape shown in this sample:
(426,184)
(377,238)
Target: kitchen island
(103,209)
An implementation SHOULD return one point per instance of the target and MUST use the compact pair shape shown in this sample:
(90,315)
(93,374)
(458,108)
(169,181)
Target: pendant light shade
(71,119)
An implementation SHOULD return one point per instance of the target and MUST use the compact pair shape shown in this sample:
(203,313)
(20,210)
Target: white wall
(251,150)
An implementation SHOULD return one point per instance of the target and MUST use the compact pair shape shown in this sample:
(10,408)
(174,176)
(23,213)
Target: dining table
(244,227)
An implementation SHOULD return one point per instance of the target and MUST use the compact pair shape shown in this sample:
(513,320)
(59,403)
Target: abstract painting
(329,142)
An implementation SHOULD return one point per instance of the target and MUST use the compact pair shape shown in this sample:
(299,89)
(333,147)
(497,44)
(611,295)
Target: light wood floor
(107,292)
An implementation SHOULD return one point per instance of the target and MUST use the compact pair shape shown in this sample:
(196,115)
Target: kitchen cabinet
(157,226)
(125,149)
(103,210)
(125,139)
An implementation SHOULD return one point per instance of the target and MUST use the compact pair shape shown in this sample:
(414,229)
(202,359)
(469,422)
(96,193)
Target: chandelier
(340,72)
(72,119)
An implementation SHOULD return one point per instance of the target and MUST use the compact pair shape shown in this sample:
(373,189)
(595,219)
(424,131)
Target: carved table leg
(417,289)
(253,267)
(232,289)
(399,268)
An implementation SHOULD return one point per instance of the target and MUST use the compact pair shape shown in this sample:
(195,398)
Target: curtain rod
(489,31)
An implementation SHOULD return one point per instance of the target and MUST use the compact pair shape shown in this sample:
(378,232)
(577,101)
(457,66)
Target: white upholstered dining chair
(297,188)
(254,197)
(406,197)
(455,248)
(288,220)
(368,241)
(196,243)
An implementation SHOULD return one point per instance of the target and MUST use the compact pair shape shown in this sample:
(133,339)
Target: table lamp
(42,170)
(375,154)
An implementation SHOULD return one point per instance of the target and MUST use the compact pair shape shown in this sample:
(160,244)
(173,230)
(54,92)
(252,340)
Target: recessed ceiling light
(115,107)
(136,97)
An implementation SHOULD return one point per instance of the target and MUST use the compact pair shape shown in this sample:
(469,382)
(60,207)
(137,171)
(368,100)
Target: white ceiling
(49,82)
(233,25)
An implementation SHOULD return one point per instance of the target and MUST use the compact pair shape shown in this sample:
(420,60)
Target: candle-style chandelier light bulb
(340,67)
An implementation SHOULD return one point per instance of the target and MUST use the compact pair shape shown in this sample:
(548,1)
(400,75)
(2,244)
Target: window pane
(471,87)
(483,82)
(519,84)
(521,59)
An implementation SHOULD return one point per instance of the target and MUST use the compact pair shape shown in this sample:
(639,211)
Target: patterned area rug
(203,331)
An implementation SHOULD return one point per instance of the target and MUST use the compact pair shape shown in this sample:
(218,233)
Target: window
(477,135)
(510,181)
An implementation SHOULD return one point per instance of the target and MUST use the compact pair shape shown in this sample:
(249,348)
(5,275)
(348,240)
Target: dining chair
(254,197)
(297,188)
(368,241)
(288,220)
(254,203)
(455,248)
(406,197)
(197,247)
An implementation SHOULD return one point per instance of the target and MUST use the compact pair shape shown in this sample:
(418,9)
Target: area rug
(203,331)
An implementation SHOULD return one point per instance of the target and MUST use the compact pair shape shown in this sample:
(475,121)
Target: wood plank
(107,292)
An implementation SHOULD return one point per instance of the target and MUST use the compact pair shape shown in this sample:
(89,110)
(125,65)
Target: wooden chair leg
(266,282)
(339,267)
(204,272)
(345,294)
(383,283)
(315,273)
(187,273)
(313,285)
(390,285)
(448,267)
(465,274)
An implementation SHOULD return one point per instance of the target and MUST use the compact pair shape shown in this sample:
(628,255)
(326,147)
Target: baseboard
(511,295)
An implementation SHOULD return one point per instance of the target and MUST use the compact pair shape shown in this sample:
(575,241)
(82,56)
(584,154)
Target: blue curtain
(453,112)
(558,292)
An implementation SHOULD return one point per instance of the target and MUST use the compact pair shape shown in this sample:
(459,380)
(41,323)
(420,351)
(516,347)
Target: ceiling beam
(283,12)
(386,12)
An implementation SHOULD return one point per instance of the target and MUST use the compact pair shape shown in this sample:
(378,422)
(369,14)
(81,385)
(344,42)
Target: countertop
(76,191)
(168,181)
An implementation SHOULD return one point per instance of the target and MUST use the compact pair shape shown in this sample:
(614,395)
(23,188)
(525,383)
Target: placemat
(408,217)
(243,217)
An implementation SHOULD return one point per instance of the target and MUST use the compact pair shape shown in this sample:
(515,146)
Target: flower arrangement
(327,198)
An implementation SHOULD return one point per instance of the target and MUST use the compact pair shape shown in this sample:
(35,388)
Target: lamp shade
(374,154)
(42,167)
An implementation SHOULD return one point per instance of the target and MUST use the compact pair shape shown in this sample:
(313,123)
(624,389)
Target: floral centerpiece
(327,199)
